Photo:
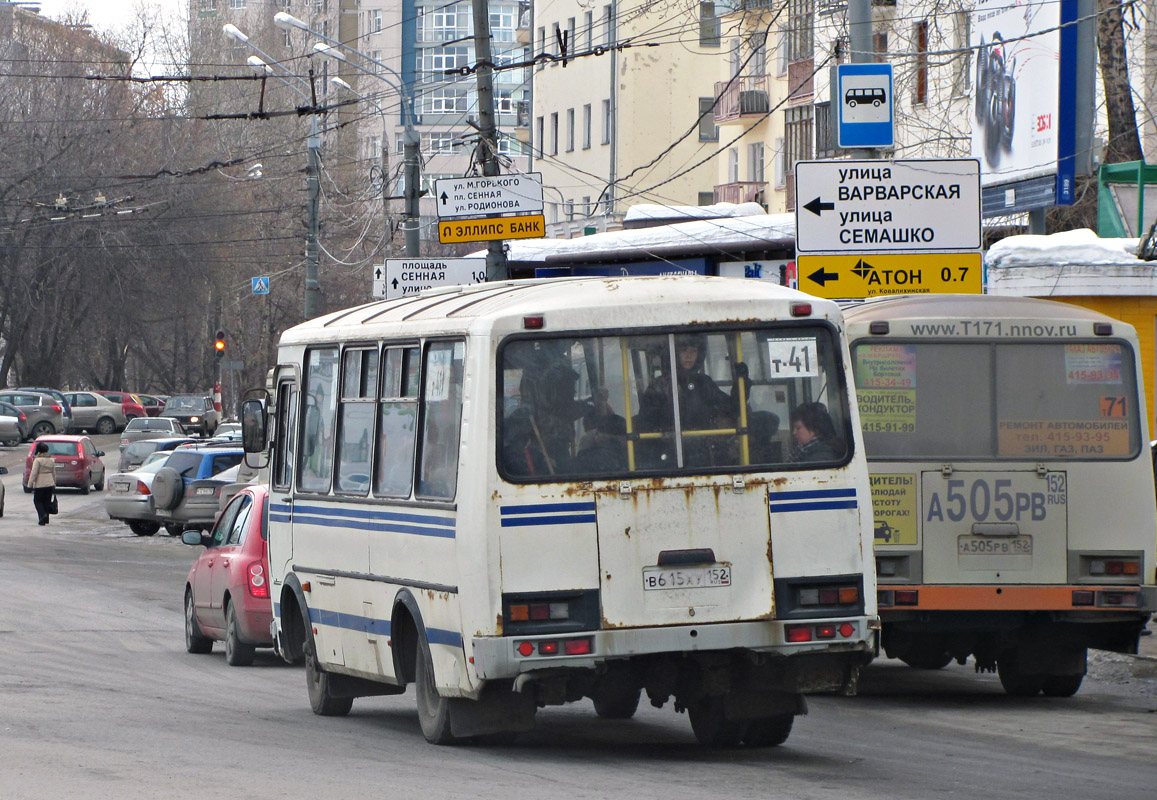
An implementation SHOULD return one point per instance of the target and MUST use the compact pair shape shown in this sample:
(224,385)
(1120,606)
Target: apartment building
(622,108)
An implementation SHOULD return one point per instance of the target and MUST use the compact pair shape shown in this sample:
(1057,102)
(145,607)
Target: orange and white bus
(1011,482)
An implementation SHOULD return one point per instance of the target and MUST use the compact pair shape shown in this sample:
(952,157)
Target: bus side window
(442,407)
(397,422)
(318,428)
(356,420)
(284,435)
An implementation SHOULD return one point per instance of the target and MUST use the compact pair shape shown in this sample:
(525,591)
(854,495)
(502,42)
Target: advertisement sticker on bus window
(438,376)
(792,358)
(881,366)
(894,508)
(1093,363)
(887,410)
(1063,438)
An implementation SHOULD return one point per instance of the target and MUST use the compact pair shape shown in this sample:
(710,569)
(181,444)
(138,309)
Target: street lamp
(405,92)
(312,289)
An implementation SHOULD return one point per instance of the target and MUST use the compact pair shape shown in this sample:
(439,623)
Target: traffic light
(219,344)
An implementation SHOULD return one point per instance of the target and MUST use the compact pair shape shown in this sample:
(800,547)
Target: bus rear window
(997,401)
(597,407)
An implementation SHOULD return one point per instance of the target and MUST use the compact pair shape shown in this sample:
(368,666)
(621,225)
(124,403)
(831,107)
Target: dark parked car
(227,595)
(186,493)
(195,413)
(77,460)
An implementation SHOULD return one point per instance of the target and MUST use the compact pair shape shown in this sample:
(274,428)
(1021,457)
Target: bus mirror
(253,426)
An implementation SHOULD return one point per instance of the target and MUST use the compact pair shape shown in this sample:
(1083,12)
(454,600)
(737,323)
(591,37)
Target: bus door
(994,526)
(283,455)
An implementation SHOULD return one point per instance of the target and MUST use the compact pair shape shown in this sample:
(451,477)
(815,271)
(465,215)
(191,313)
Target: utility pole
(413,188)
(313,225)
(860,43)
(496,269)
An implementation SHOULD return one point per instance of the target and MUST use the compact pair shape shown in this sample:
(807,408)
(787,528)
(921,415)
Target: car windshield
(185,404)
(62,448)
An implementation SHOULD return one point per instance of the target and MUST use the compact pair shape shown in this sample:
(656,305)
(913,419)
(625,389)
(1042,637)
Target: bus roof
(968,306)
(567,304)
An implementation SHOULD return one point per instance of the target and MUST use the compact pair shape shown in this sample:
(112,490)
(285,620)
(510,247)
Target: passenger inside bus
(813,434)
(703,406)
(606,449)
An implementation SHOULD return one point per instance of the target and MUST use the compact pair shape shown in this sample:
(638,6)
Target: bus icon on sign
(875,96)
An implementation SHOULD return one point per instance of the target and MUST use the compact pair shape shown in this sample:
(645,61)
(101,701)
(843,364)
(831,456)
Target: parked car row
(28,413)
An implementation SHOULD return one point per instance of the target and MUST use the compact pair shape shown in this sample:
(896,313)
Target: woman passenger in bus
(813,434)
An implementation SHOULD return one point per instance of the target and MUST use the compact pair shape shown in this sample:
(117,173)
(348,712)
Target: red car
(227,594)
(129,405)
(77,460)
(152,405)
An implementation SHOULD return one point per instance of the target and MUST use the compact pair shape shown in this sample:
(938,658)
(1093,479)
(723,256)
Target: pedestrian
(42,478)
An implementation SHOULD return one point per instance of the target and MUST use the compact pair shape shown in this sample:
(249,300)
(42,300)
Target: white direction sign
(402,277)
(489,197)
(887,206)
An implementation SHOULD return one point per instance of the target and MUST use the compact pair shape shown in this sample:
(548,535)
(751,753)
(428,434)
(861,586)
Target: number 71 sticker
(792,358)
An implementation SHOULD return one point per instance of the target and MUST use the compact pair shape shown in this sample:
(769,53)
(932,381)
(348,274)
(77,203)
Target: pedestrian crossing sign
(261,285)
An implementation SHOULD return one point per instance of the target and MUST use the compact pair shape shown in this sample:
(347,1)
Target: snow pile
(715,211)
(1080,247)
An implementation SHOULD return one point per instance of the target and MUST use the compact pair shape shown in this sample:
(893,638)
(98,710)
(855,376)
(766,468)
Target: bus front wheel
(321,697)
(433,709)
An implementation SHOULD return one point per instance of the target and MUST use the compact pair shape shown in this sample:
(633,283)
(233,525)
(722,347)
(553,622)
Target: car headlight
(194,419)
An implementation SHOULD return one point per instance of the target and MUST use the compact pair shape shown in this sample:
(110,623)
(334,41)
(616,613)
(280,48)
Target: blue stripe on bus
(546,508)
(381,627)
(555,520)
(369,520)
(375,514)
(779,508)
(370,525)
(812,494)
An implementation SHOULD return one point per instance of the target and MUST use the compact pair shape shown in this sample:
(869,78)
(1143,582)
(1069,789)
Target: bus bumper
(510,656)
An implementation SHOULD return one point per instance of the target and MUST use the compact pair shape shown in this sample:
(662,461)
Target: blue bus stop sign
(863,95)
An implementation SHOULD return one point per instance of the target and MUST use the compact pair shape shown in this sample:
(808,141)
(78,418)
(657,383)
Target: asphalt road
(98,699)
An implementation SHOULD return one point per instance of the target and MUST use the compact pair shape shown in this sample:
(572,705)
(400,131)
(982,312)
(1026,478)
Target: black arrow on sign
(377,274)
(395,283)
(816,206)
(821,277)
(444,198)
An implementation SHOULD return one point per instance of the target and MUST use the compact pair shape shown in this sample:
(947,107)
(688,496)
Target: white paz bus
(521,494)
(1014,509)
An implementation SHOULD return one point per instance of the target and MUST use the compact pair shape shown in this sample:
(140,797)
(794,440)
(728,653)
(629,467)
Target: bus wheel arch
(293,616)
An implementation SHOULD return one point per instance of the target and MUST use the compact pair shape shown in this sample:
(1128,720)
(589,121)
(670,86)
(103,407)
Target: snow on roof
(715,211)
(1071,263)
(757,232)
(1081,246)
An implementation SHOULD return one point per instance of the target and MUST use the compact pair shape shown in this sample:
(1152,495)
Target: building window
(920,46)
(541,46)
(236,5)
(800,27)
(705,198)
(445,100)
(708,25)
(797,133)
(438,59)
(570,130)
(509,146)
(589,27)
(587,126)
(442,24)
(571,45)
(376,20)
(554,133)
(708,130)
(585,208)
(503,22)
(825,135)
(733,165)
(504,102)
(880,47)
(755,162)
(606,122)
(608,26)
(757,43)
(540,134)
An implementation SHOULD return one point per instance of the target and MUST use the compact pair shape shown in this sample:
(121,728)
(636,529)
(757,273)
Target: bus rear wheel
(617,701)
(1015,681)
(711,726)
(1061,685)
(769,731)
(433,709)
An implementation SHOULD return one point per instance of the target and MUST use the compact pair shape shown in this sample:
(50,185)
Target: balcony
(800,78)
(741,192)
(741,98)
